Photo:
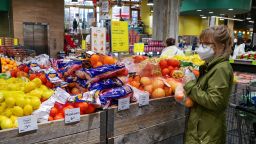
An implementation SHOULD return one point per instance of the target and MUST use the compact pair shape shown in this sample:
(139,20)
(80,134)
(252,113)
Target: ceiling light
(198,10)
(251,21)
(210,12)
(235,32)
(248,33)
(204,17)
(150,3)
(234,16)
(243,32)
(230,18)
(230,9)
(248,18)
(201,15)
(222,14)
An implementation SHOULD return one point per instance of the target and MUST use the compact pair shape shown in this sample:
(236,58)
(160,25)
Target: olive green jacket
(210,93)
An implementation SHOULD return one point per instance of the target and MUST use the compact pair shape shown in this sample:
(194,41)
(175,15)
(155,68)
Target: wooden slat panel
(158,111)
(152,134)
(51,130)
(83,137)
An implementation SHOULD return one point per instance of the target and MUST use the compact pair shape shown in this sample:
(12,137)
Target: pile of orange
(99,60)
(8,64)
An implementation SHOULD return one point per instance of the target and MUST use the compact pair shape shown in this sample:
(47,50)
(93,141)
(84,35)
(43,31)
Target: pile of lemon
(20,97)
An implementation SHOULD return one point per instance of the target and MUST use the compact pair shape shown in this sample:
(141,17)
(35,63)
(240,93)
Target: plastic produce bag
(180,96)
(60,96)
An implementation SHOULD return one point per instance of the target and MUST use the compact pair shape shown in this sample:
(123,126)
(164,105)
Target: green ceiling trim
(4,5)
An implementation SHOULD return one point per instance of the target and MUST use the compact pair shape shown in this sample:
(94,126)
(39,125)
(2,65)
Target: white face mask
(205,52)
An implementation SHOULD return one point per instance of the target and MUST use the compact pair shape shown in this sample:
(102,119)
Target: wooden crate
(91,129)
(161,121)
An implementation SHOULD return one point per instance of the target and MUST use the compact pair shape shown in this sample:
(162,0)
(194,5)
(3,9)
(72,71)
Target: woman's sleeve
(217,94)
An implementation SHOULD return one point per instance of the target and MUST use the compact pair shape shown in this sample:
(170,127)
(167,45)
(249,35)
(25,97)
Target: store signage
(83,44)
(72,115)
(15,41)
(144,100)
(104,7)
(119,36)
(27,123)
(98,40)
(138,47)
(1,42)
(123,104)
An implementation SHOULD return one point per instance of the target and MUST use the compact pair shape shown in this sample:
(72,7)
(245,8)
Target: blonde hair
(221,37)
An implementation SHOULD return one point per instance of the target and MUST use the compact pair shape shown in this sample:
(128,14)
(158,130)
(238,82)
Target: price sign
(72,115)
(253,62)
(231,61)
(15,41)
(83,44)
(119,36)
(123,104)
(143,100)
(27,123)
(138,47)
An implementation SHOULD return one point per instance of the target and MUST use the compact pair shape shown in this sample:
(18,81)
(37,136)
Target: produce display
(47,87)
(8,64)
(247,56)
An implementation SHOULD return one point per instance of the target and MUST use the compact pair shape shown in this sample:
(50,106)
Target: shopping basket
(241,125)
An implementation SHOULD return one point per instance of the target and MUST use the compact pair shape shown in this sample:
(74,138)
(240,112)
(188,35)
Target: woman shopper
(211,91)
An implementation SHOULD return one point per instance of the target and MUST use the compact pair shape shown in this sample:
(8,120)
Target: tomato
(165,71)
(176,63)
(32,76)
(170,68)
(43,78)
(53,111)
(196,73)
(14,73)
(49,84)
(163,64)
(59,106)
(90,109)
(59,116)
(26,69)
(50,118)
(83,107)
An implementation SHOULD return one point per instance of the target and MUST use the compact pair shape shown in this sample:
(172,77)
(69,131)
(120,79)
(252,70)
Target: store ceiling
(215,7)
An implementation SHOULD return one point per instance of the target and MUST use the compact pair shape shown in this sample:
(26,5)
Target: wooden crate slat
(152,134)
(51,130)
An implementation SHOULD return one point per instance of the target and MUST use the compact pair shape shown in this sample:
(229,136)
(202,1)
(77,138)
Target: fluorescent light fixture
(248,18)
(204,17)
(150,3)
(201,15)
(230,9)
(251,21)
(210,12)
(198,10)
(230,18)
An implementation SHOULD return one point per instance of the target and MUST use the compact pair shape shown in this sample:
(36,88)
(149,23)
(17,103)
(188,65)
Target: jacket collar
(215,60)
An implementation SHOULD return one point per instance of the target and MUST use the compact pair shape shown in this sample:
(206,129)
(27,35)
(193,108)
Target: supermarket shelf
(243,65)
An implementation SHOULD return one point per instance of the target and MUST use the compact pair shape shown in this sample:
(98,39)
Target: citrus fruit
(17,111)
(28,109)
(7,112)
(20,101)
(35,103)
(37,81)
(10,101)
(6,123)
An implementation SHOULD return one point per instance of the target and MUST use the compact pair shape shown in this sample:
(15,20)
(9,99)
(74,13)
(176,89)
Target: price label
(123,104)
(83,44)
(15,42)
(231,61)
(27,123)
(138,47)
(143,100)
(253,62)
(72,115)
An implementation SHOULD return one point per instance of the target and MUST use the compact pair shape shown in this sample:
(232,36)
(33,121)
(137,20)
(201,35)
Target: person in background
(239,48)
(171,49)
(75,25)
(210,92)
(248,45)
(68,42)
